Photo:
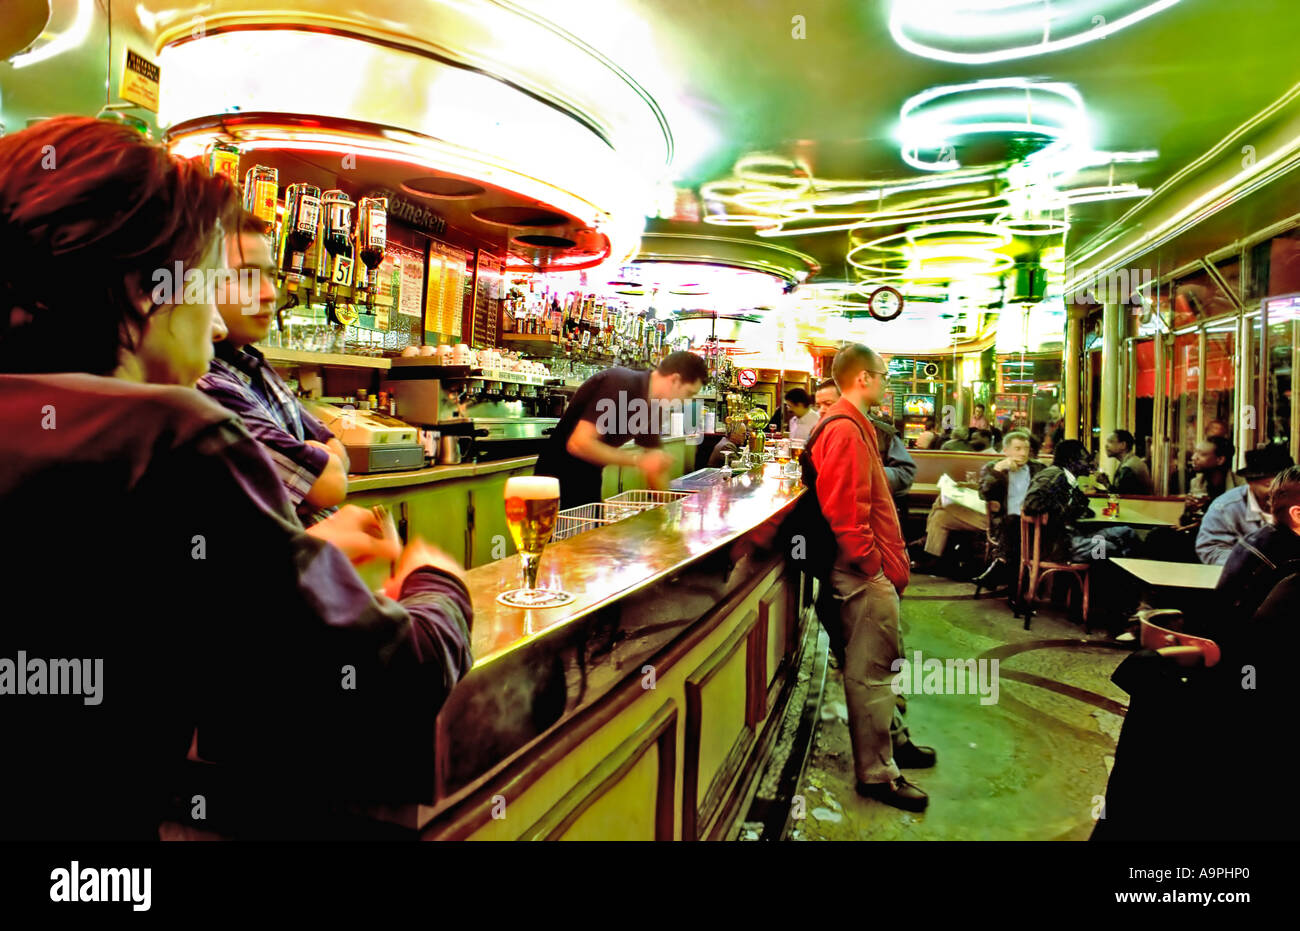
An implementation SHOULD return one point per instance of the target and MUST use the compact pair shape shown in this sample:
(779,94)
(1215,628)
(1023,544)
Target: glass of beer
(797,445)
(532,505)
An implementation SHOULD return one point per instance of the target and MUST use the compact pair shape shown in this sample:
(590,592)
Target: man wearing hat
(1238,513)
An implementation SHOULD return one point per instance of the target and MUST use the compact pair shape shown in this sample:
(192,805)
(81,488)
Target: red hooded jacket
(854,495)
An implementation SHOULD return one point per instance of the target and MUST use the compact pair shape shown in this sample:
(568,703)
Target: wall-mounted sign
(412,214)
(139,82)
(748,378)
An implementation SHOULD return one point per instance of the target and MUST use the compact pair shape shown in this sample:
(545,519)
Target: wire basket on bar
(647,498)
(572,521)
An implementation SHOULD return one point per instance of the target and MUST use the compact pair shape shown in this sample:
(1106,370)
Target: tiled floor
(1031,766)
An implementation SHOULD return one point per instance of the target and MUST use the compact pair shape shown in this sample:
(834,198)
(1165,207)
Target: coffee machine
(495,409)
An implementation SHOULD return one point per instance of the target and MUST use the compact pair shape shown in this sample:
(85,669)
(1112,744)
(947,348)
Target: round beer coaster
(537,598)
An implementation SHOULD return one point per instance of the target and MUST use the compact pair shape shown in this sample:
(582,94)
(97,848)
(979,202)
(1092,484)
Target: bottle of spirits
(261,189)
(302,208)
(372,238)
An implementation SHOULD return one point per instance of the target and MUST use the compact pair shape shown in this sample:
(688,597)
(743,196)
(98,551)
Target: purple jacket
(144,527)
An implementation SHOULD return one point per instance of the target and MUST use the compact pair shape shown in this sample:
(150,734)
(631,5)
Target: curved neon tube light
(935,127)
(65,41)
(907,13)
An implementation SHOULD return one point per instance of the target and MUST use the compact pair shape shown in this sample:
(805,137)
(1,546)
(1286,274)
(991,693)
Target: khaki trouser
(943,520)
(869,613)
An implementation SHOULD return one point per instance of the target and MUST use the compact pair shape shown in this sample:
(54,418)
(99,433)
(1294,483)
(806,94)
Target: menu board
(485,307)
(411,283)
(444,299)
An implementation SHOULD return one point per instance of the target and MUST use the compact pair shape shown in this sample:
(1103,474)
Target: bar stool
(1034,569)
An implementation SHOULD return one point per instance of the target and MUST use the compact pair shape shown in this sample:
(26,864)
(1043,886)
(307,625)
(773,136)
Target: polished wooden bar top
(602,565)
(378,481)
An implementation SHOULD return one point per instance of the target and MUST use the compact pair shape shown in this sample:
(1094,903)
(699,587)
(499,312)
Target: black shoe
(910,756)
(992,577)
(900,793)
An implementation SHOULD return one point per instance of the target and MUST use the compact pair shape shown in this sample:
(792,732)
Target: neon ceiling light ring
(1034,226)
(740,219)
(952,264)
(71,38)
(916,261)
(995,236)
(750,168)
(912,22)
(934,119)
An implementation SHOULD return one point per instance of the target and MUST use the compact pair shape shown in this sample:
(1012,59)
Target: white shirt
(801,427)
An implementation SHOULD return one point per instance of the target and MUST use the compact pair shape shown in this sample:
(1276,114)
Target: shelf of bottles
(544,321)
(340,282)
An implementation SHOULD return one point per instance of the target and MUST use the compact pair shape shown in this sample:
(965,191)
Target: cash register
(374,441)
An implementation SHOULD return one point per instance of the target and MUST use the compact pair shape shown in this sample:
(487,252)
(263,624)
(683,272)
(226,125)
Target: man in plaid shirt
(310,461)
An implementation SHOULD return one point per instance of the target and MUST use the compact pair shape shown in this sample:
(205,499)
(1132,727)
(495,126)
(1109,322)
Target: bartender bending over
(610,409)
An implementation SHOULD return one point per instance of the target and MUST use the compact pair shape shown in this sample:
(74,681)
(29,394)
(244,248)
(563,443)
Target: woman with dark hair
(164,574)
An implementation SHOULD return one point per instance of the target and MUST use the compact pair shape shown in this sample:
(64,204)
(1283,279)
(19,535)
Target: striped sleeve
(297,464)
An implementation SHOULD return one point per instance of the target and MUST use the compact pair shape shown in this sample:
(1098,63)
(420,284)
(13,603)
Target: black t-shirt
(617,401)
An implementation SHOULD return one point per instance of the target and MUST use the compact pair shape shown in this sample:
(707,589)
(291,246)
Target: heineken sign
(412,214)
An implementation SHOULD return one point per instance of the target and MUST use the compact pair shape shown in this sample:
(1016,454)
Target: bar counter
(632,712)
(437,473)
(459,508)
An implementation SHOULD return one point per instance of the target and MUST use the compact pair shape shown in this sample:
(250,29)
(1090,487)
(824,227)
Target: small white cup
(426,350)
(443,354)
(410,351)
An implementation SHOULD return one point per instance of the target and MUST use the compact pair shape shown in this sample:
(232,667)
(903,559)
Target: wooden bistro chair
(1183,648)
(1034,570)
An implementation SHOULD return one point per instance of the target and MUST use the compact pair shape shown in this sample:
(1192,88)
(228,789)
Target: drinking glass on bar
(797,445)
(532,505)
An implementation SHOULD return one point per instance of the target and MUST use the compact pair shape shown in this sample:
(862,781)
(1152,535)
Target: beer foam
(533,487)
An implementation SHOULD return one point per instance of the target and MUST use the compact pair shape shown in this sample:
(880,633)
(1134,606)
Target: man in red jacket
(870,573)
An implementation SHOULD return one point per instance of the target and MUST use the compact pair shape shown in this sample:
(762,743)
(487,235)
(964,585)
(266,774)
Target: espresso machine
(495,411)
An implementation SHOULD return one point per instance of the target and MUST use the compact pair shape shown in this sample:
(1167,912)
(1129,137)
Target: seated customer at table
(732,443)
(1266,556)
(310,460)
(1212,465)
(958,442)
(1055,491)
(1004,485)
(943,520)
(1238,513)
(1132,477)
(157,539)
(928,438)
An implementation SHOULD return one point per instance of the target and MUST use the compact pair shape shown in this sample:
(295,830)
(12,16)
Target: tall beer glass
(532,504)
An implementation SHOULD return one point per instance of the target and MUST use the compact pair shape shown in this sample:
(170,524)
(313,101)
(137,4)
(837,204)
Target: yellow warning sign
(140,81)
